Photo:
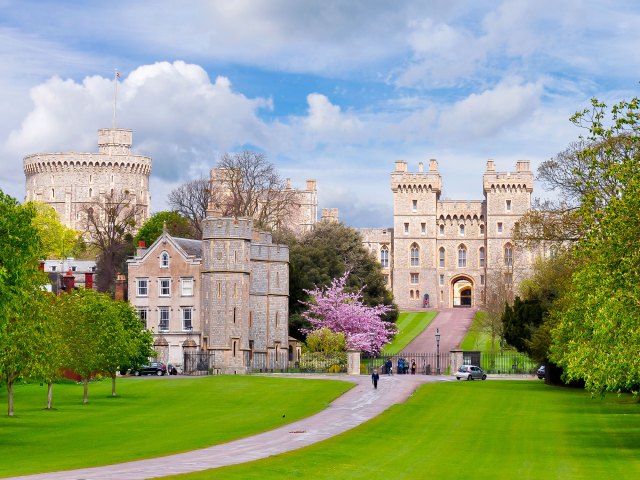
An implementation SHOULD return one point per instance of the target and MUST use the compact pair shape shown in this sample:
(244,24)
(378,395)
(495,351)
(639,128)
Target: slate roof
(189,246)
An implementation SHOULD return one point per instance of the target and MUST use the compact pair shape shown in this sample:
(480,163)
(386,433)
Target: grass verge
(149,417)
(410,325)
(480,430)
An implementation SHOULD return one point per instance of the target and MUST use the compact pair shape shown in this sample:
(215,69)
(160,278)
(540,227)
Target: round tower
(68,181)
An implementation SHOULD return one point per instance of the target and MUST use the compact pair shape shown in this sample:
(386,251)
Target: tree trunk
(113,384)
(85,381)
(10,396)
(49,395)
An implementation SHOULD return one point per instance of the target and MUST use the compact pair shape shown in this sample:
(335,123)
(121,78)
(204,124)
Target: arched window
(461,229)
(482,229)
(410,293)
(384,257)
(441,254)
(462,256)
(508,255)
(441,229)
(415,255)
(164,260)
(481,257)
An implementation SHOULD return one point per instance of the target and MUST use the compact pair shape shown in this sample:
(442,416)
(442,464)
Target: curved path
(358,405)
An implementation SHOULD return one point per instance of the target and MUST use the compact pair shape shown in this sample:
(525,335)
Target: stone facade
(68,181)
(236,301)
(450,249)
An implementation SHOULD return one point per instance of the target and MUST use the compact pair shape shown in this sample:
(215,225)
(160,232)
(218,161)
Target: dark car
(154,368)
(541,372)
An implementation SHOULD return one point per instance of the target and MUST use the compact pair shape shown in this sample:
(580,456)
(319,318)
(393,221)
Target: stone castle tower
(245,296)
(453,251)
(68,181)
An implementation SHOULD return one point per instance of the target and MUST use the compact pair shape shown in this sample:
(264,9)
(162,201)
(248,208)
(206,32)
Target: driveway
(452,323)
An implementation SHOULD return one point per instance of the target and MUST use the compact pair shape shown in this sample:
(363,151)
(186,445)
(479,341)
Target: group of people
(403,368)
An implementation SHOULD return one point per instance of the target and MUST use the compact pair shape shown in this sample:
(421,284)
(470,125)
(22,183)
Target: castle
(450,252)
(70,181)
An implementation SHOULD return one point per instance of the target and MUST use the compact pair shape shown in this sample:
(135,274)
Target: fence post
(353,362)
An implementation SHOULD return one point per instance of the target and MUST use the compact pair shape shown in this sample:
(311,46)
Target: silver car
(470,372)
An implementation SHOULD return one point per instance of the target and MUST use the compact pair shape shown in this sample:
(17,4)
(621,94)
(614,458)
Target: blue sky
(330,90)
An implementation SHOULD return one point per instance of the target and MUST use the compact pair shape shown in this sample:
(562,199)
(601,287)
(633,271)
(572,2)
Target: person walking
(374,378)
(413,367)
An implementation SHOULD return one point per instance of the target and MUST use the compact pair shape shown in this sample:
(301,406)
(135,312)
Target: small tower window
(442,229)
(441,254)
(423,227)
(481,257)
(499,227)
(414,205)
(406,229)
(164,260)
(508,205)
(461,230)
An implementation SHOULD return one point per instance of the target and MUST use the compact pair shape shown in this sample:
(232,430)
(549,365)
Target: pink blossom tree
(340,311)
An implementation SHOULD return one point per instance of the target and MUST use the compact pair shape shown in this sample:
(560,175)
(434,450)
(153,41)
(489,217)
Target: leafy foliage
(339,311)
(58,241)
(324,340)
(175,223)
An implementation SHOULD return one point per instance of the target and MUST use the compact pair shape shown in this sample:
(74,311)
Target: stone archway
(462,290)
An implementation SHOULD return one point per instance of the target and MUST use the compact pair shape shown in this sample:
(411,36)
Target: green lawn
(479,430)
(410,325)
(477,340)
(150,417)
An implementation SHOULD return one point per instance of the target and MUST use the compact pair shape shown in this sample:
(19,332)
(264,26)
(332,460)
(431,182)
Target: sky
(330,90)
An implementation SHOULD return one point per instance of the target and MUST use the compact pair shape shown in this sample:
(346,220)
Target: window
(53,268)
(187,317)
(481,279)
(187,287)
(462,256)
(481,257)
(415,277)
(385,278)
(508,205)
(508,278)
(441,254)
(163,322)
(508,255)
(164,260)
(423,227)
(143,315)
(461,230)
(414,205)
(415,255)
(164,287)
(441,229)
(441,279)
(73,269)
(499,227)
(406,228)
(410,293)
(481,229)
(384,257)
(143,287)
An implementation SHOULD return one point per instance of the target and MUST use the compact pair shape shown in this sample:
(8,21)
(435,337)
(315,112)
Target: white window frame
(414,278)
(187,312)
(161,320)
(164,259)
(139,287)
(186,281)
(161,287)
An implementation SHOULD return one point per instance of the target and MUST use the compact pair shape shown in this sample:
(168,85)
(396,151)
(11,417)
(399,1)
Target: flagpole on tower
(115,95)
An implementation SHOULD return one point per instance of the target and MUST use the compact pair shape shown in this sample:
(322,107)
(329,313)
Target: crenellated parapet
(403,181)
(520,180)
(86,162)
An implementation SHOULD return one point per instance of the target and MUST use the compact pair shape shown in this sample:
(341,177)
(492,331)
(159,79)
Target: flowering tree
(344,312)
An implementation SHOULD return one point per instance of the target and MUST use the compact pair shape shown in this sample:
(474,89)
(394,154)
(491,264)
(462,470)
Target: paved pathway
(453,324)
(358,405)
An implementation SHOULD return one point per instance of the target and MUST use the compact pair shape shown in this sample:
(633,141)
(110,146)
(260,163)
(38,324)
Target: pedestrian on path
(374,378)
(413,367)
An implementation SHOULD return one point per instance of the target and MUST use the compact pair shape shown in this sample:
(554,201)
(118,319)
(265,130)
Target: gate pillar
(456,360)
(353,362)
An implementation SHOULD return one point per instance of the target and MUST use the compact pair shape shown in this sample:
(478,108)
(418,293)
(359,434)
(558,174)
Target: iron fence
(507,363)
(402,364)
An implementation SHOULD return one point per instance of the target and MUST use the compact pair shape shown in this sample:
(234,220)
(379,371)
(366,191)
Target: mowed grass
(477,340)
(410,325)
(479,430)
(149,417)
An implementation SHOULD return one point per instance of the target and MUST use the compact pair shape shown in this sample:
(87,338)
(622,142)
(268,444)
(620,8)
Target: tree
(326,341)
(58,241)
(246,184)
(21,317)
(191,200)
(597,330)
(327,252)
(334,308)
(111,222)
(174,222)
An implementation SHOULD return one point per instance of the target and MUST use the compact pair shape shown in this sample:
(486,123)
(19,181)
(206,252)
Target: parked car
(470,372)
(541,372)
(154,368)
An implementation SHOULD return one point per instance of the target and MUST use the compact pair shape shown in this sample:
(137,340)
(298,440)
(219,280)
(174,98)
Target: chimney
(142,248)
(311,184)
(491,167)
(121,287)
(433,165)
(401,166)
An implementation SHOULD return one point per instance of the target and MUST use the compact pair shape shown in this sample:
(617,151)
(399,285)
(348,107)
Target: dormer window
(164,260)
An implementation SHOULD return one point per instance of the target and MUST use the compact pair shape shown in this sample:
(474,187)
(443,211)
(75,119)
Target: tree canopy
(176,225)
(58,241)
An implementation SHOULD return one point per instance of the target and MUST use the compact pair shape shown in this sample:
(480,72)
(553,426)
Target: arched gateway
(462,289)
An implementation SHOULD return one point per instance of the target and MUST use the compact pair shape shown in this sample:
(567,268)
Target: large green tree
(58,241)
(597,336)
(176,225)
(21,315)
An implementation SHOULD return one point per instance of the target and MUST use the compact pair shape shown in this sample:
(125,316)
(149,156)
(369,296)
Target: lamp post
(438,351)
